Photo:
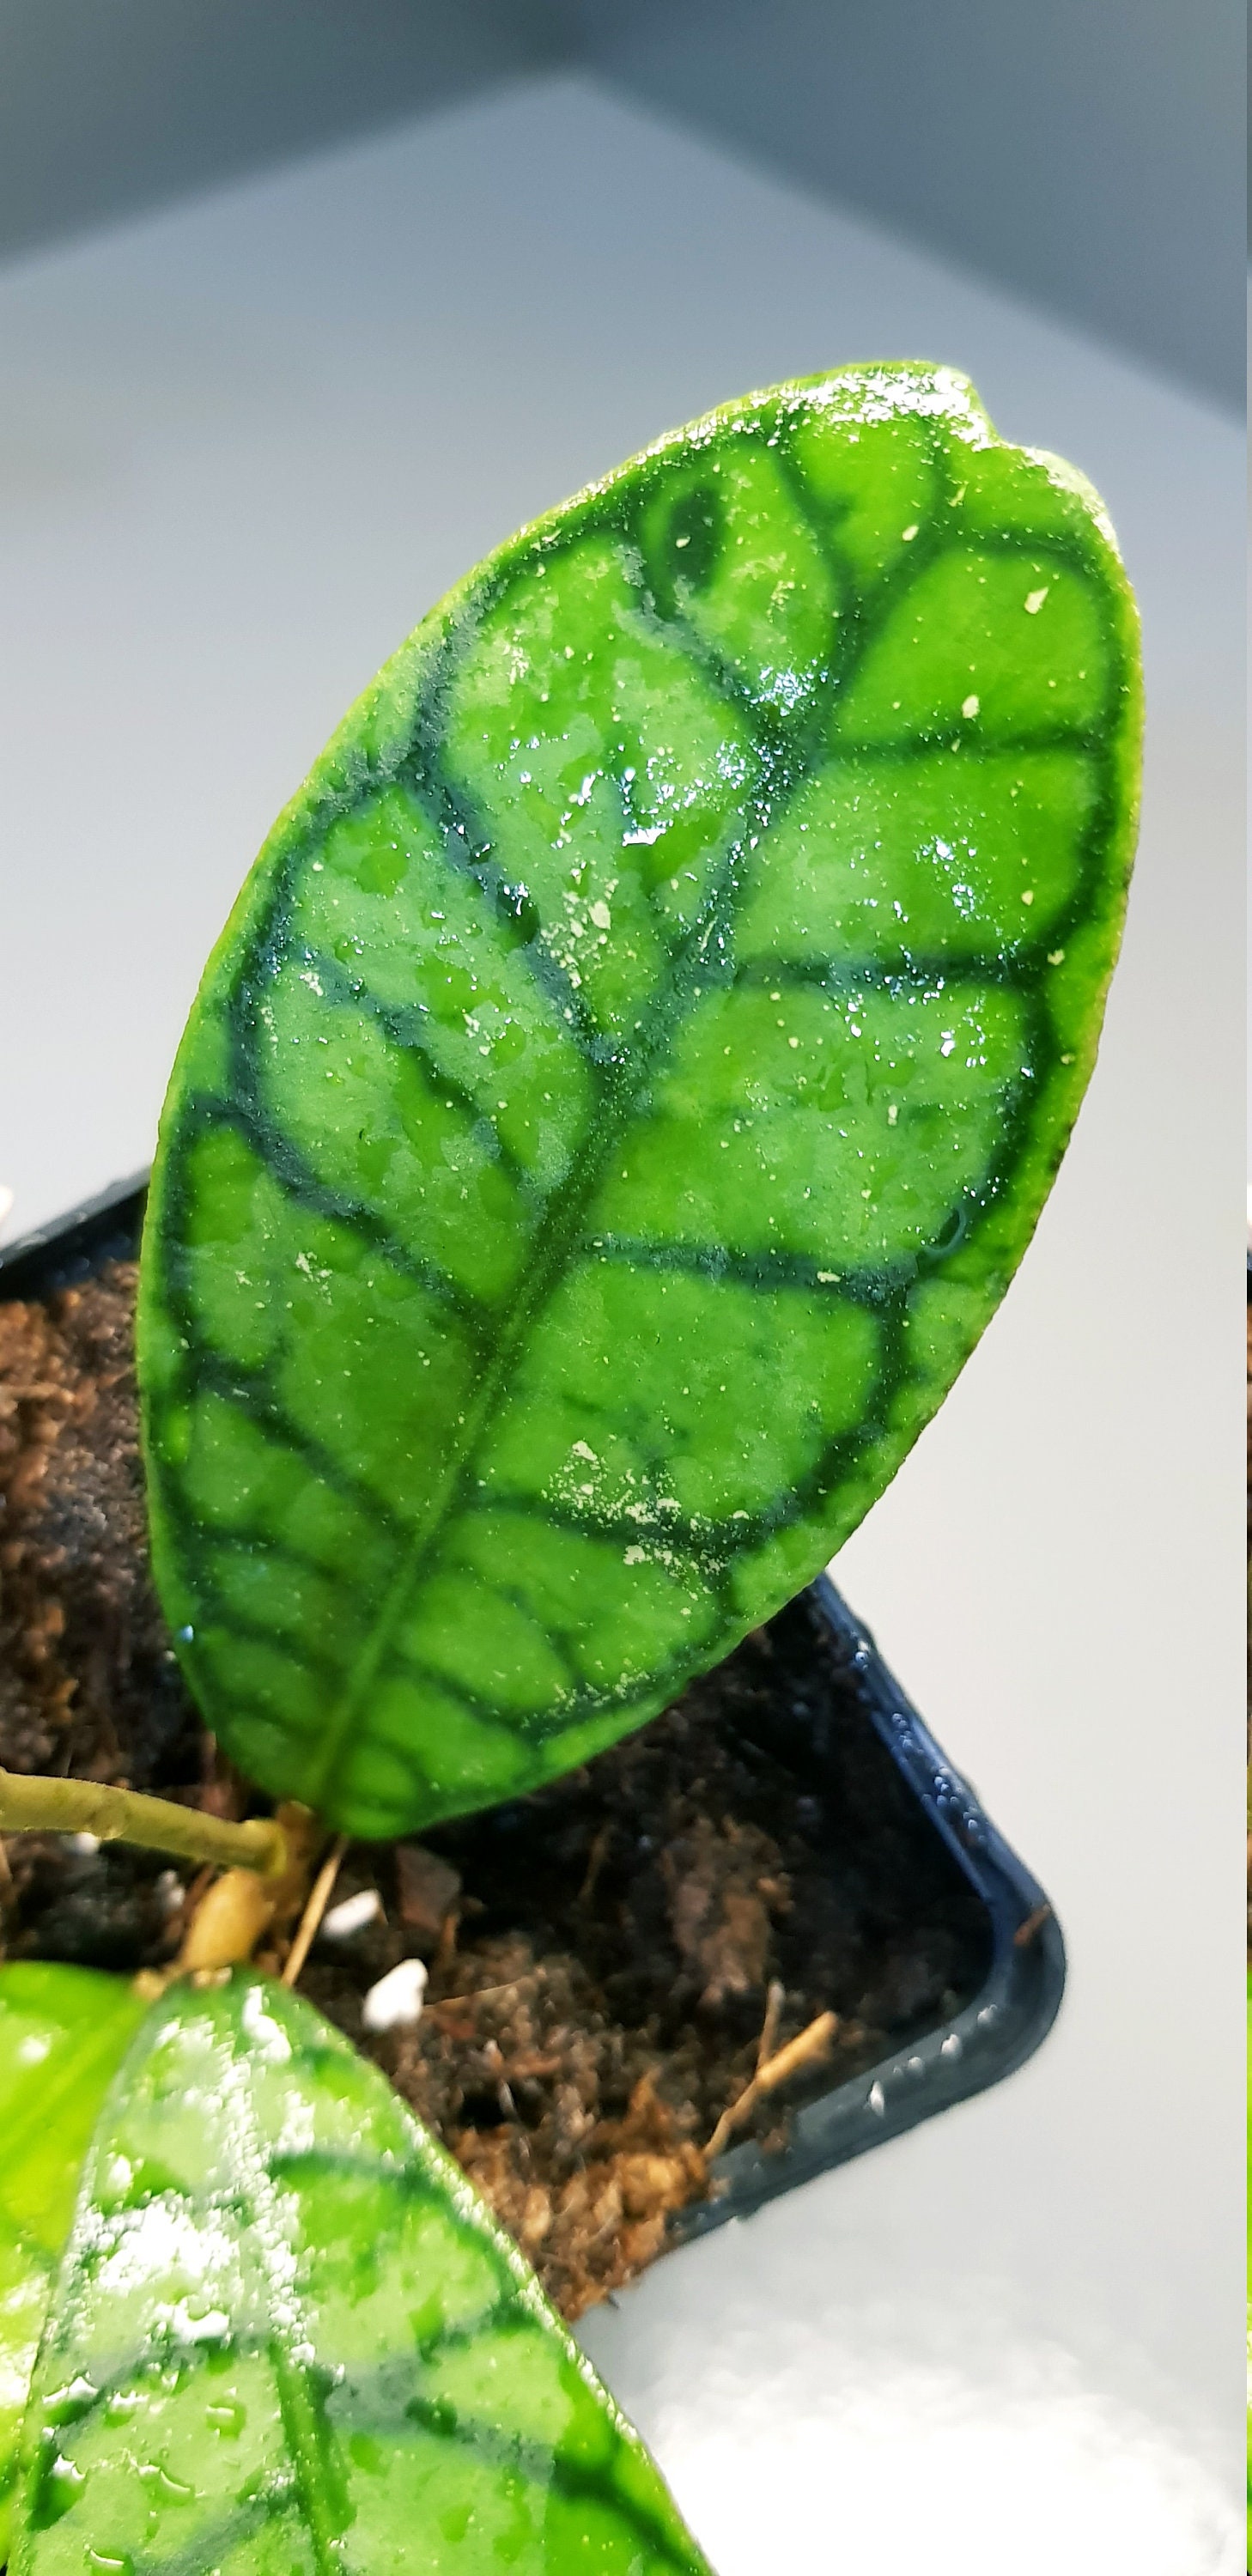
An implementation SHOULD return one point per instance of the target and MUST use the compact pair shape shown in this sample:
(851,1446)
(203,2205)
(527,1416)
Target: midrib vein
(560,1230)
(562,1225)
(297,2405)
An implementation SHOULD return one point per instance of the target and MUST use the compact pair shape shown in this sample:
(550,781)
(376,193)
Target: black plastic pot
(989,2037)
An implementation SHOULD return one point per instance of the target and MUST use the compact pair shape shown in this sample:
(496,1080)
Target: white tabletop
(242,446)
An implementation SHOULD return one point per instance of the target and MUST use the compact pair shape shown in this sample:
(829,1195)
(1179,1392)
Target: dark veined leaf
(63,2034)
(626,1086)
(290,2341)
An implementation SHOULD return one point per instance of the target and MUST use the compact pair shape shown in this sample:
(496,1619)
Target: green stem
(31,1806)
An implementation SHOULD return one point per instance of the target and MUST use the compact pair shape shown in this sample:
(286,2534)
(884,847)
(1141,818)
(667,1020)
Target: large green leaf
(290,2341)
(626,1086)
(63,2034)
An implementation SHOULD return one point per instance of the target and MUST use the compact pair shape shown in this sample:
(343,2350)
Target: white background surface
(242,448)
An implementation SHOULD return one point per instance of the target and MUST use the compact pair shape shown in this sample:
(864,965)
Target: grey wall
(1086,152)
(110,105)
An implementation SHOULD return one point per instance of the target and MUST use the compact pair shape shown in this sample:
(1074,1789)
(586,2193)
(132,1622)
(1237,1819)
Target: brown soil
(602,1955)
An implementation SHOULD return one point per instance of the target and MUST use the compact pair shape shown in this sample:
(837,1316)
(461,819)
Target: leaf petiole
(41,1806)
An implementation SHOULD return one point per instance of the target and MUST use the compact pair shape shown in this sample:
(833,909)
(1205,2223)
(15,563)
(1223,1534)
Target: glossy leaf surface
(290,2341)
(626,1086)
(63,2034)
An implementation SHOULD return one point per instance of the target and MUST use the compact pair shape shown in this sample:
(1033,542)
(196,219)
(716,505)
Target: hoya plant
(618,1101)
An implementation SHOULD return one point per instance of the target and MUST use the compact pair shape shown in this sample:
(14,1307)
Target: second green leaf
(290,2341)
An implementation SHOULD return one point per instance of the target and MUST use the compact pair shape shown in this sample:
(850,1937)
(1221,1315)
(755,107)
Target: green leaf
(626,1086)
(290,2341)
(63,2034)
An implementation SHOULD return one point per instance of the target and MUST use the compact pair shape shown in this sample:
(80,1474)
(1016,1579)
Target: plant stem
(32,1806)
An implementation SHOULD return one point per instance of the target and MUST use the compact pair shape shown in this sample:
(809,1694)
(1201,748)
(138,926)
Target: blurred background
(304,304)
(1085,153)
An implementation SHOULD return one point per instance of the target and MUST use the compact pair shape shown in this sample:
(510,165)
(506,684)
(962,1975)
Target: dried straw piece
(319,1898)
(812,2043)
